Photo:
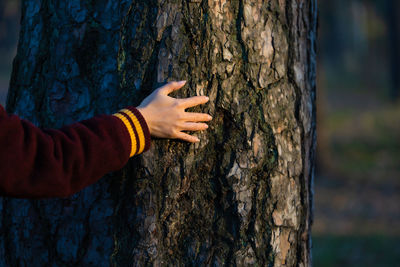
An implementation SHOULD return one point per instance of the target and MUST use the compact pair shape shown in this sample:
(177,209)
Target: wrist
(143,112)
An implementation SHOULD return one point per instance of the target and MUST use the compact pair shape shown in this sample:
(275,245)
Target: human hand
(166,116)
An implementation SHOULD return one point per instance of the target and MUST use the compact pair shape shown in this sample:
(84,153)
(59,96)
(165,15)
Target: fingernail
(197,139)
(207,98)
(210,117)
(182,82)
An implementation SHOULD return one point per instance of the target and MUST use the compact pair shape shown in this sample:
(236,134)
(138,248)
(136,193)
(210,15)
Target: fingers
(192,116)
(171,86)
(192,126)
(193,101)
(187,137)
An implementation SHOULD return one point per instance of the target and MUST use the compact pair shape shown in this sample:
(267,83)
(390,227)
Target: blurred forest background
(357,182)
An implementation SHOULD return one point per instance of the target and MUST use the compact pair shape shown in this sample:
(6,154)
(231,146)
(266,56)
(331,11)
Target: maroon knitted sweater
(39,163)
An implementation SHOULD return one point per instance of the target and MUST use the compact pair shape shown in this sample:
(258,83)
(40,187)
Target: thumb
(171,86)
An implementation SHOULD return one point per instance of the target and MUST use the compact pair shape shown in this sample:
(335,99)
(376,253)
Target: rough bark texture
(242,196)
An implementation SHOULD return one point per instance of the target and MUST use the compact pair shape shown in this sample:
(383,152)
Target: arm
(58,163)
(38,163)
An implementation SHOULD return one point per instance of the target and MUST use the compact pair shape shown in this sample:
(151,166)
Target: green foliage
(363,144)
(374,250)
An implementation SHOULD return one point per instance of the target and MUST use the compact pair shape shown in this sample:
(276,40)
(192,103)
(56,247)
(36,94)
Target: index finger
(193,101)
(171,86)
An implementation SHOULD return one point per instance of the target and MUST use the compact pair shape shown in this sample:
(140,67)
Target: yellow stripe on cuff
(138,128)
(130,130)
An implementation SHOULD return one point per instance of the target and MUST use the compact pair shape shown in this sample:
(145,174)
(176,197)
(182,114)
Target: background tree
(242,196)
(393,20)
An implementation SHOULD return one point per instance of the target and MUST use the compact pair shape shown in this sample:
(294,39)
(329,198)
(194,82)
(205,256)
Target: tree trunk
(242,196)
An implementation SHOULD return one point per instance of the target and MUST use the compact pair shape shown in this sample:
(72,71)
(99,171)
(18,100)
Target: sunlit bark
(242,196)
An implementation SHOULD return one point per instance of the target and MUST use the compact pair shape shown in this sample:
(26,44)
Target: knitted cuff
(137,127)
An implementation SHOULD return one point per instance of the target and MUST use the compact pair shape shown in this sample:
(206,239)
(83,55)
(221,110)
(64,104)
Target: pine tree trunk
(242,196)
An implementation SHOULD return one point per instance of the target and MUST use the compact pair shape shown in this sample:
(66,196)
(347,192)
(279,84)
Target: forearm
(38,163)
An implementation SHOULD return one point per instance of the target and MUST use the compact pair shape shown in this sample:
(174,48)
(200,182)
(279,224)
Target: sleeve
(39,163)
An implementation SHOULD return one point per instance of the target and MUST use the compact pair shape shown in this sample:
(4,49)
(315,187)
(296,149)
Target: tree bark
(242,196)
